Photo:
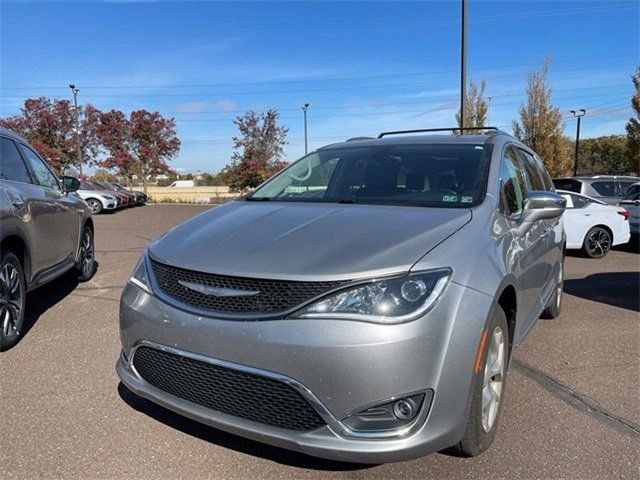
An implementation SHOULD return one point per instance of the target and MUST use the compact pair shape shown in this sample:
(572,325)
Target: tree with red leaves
(257,151)
(139,145)
(49,126)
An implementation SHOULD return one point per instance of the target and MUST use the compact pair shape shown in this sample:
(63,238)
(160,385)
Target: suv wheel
(95,206)
(597,243)
(488,389)
(12,300)
(86,266)
(553,308)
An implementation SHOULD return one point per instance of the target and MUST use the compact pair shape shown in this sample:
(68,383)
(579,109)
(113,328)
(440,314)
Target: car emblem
(216,291)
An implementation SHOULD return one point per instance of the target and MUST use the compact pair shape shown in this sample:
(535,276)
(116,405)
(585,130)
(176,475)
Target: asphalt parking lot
(571,408)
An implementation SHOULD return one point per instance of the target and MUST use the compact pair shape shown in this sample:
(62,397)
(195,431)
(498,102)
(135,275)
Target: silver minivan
(361,305)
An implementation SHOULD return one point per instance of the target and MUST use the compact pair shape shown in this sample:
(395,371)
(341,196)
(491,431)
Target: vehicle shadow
(45,297)
(228,440)
(619,289)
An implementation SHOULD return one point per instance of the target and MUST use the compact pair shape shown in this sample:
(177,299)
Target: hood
(306,241)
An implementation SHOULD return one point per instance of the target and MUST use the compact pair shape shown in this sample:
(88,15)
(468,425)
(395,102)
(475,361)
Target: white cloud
(226,105)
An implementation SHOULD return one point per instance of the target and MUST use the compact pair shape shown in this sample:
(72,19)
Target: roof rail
(461,129)
(355,139)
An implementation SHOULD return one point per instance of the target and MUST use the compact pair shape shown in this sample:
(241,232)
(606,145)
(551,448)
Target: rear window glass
(567,184)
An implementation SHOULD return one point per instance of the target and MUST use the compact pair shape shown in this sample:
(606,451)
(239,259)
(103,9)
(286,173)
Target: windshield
(428,175)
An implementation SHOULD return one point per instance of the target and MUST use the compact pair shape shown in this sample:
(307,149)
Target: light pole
(579,114)
(306,142)
(463,64)
(489,98)
(75,91)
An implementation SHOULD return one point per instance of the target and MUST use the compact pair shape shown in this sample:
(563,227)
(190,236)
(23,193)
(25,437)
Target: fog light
(404,409)
(390,415)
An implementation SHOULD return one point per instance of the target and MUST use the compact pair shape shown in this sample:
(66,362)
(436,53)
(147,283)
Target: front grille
(241,394)
(274,295)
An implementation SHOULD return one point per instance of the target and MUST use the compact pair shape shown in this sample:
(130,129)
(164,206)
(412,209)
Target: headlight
(109,197)
(393,300)
(140,277)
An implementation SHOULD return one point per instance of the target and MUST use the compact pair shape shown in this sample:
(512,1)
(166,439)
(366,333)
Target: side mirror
(70,184)
(540,205)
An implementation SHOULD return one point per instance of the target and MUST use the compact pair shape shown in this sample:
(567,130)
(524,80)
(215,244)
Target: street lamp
(75,91)
(306,143)
(489,98)
(463,64)
(579,114)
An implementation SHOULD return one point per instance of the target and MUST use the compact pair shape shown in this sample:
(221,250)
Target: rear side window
(11,165)
(579,201)
(531,171)
(567,184)
(624,187)
(605,188)
(513,186)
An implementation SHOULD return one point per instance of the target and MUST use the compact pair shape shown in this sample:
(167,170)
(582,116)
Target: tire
(86,265)
(481,429)
(95,206)
(597,242)
(554,307)
(12,300)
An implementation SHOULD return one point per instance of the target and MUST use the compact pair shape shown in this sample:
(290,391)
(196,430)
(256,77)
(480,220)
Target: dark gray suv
(45,230)
(361,305)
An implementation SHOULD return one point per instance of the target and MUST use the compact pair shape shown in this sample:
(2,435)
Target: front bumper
(343,365)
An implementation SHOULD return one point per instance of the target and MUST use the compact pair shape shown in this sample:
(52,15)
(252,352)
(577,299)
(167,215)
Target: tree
(257,151)
(49,126)
(633,126)
(605,154)
(475,106)
(104,176)
(541,126)
(139,145)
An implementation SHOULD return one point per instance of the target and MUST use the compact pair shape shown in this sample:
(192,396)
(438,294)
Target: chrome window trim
(335,425)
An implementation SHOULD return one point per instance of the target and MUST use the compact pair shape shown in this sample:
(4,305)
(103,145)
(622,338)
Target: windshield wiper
(257,199)
(347,201)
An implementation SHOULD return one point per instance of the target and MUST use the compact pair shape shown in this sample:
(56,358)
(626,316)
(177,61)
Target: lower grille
(241,394)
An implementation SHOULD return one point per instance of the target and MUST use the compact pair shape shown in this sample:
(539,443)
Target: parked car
(44,231)
(141,197)
(361,305)
(593,226)
(98,201)
(631,204)
(123,200)
(606,188)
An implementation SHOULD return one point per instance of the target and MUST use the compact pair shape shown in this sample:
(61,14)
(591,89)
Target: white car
(592,225)
(98,201)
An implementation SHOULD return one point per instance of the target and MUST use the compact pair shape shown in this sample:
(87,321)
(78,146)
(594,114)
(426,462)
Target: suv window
(40,169)
(605,188)
(624,186)
(11,165)
(567,184)
(531,171)
(512,181)
(633,190)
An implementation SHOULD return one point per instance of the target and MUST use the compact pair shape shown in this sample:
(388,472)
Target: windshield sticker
(466,199)
(449,198)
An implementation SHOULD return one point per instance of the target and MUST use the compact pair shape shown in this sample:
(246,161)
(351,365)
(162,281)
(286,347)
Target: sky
(364,67)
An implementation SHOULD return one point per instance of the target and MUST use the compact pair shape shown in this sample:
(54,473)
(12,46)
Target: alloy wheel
(493,379)
(94,206)
(86,253)
(10,299)
(598,243)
